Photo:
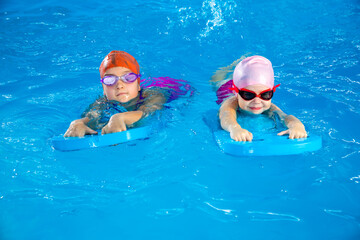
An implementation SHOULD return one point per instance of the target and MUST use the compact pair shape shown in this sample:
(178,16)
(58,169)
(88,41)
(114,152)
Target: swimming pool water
(177,184)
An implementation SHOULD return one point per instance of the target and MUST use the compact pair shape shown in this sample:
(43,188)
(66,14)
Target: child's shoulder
(274,110)
(230,100)
(154,92)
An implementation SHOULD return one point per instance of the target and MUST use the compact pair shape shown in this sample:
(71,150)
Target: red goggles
(248,95)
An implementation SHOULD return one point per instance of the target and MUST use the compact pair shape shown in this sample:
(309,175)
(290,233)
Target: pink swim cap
(253,70)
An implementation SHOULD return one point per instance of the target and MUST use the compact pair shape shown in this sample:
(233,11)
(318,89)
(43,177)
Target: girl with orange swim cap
(250,91)
(123,103)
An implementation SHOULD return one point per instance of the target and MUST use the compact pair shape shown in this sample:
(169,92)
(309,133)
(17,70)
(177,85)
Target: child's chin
(123,99)
(256,111)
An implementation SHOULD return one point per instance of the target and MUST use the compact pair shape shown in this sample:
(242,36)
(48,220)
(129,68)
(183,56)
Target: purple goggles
(110,80)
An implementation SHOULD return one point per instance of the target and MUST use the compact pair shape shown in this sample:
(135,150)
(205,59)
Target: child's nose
(257,100)
(120,84)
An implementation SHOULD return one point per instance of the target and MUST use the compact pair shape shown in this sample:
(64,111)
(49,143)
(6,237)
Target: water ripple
(168,213)
(340,214)
(271,216)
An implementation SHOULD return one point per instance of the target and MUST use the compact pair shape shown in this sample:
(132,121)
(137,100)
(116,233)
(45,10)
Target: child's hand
(295,132)
(78,129)
(115,124)
(239,134)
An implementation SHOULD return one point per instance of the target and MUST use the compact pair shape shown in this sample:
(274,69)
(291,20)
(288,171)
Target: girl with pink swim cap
(251,90)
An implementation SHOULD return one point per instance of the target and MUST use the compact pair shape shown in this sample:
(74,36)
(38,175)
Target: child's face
(256,105)
(120,91)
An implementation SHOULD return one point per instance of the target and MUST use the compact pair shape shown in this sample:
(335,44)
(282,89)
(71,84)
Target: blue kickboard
(263,143)
(62,143)
(267,144)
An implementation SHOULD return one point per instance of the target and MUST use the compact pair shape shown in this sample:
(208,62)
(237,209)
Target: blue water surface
(177,184)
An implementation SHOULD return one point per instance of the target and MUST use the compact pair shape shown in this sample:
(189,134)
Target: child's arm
(87,124)
(295,128)
(119,122)
(154,100)
(228,122)
(78,128)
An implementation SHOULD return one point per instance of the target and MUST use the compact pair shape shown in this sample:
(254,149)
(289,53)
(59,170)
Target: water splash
(217,17)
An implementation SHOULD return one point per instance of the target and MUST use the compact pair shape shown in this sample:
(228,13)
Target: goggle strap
(234,88)
(274,88)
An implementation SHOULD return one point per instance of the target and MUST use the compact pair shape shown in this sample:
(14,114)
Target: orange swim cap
(119,59)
